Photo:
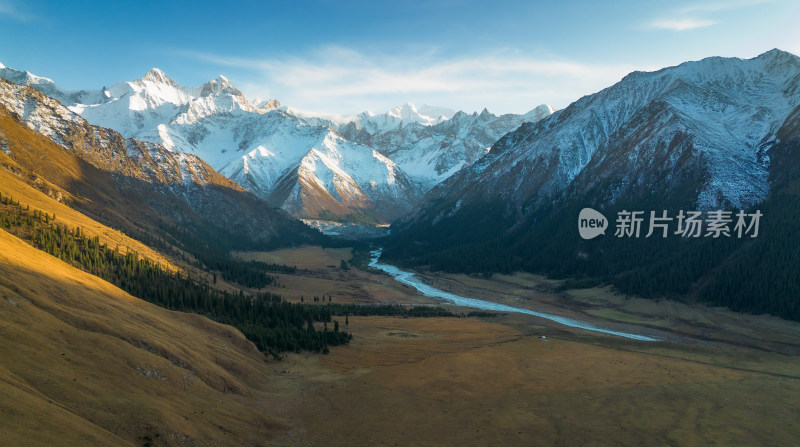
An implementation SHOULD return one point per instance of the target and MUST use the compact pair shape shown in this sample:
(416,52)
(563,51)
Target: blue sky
(348,56)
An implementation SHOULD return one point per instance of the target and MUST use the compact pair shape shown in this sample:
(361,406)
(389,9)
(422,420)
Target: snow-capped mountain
(337,178)
(49,88)
(367,167)
(696,136)
(310,171)
(262,151)
(255,145)
(144,161)
(431,152)
(724,112)
(132,183)
(138,108)
(401,116)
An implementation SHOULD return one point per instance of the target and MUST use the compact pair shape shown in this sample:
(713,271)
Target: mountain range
(365,168)
(159,196)
(93,218)
(481,193)
(698,136)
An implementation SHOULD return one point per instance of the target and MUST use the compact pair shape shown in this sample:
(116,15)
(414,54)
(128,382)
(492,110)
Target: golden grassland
(319,273)
(401,381)
(455,381)
(83,363)
(449,381)
(11,185)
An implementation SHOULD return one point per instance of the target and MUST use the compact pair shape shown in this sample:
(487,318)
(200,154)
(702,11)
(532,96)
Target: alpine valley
(717,134)
(158,286)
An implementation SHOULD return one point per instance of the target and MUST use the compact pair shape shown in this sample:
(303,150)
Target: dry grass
(319,273)
(447,381)
(76,356)
(307,257)
(437,381)
(13,186)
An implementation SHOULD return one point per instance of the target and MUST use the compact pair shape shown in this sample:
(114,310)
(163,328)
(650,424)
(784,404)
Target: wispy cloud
(722,6)
(694,16)
(10,11)
(347,81)
(681,24)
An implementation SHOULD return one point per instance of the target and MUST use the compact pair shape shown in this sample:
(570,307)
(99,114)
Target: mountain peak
(776,56)
(776,52)
(2,66)
(539,112)
(405,110)
(157,76)
(270,104)
(219,86)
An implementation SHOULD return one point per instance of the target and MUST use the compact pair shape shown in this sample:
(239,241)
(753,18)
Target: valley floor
(717,378)
(141,375)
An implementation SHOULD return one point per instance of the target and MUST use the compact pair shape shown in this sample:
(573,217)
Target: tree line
(273,324)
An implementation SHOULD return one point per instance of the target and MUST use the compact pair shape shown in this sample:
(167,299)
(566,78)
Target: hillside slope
(707,135)
(13,185)
(84,363)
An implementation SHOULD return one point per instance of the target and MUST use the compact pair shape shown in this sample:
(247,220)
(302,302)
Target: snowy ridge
(432,153)
(140,160)
(49,88)
(401,116)
(141,181)
(707,125)
(253,145)
(369,164)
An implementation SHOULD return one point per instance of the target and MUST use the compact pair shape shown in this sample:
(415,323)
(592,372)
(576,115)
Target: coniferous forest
(272,323)
(755,275)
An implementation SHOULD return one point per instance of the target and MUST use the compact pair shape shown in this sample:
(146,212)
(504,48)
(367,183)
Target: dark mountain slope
(710,135)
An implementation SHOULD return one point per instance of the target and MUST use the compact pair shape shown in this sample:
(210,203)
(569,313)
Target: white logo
(591,223)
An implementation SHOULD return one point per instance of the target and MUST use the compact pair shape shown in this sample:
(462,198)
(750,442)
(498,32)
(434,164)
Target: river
(409,279)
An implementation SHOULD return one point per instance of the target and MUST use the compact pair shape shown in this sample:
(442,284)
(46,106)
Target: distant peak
(777,55)
(775,52)
(219,86)
(405,107)
(2,66)
(485,112)
(539,112)
(271,104)
(157,76)
(222,81)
